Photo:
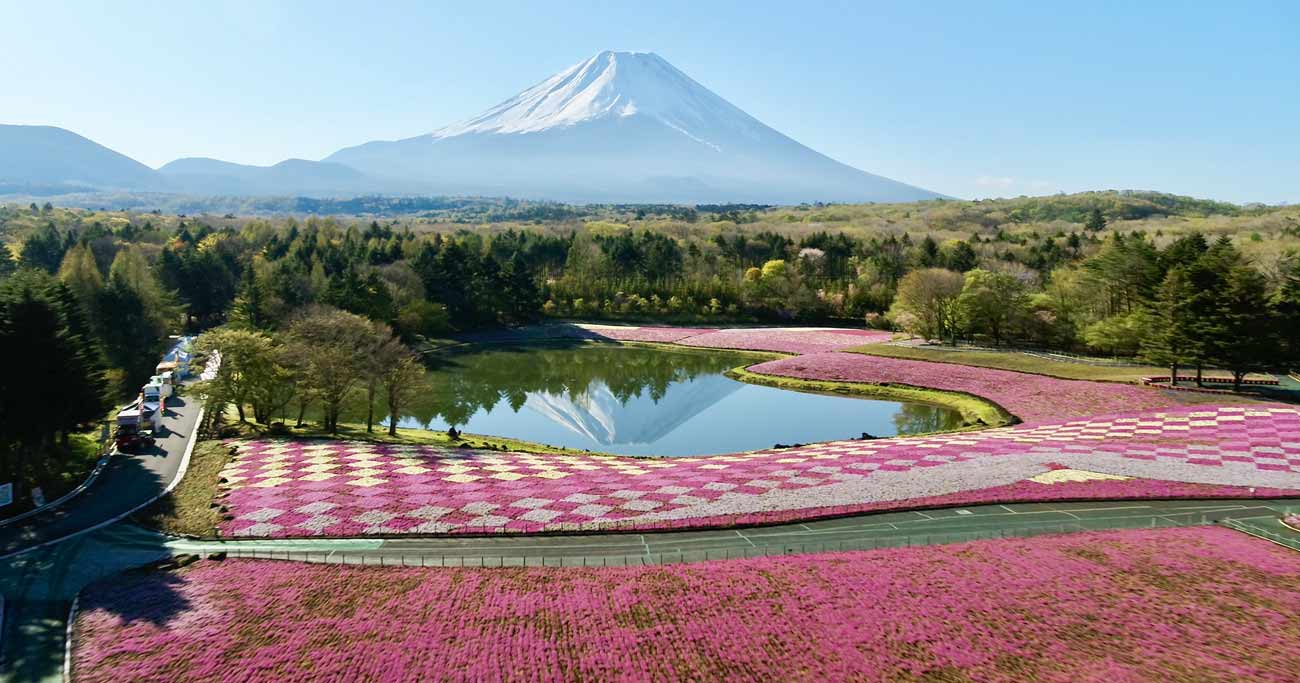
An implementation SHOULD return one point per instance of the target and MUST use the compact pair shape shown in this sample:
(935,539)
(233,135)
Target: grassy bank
(1015,361)
(356,431)
(71,467)
(187,509)
(977,413)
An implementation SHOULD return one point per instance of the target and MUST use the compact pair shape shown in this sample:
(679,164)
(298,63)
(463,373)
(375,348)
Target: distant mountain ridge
(619,127)
(623,126)
(292,176)
(46,155)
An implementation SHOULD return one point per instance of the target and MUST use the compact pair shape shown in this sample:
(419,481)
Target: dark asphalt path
(861,532)
(127,482)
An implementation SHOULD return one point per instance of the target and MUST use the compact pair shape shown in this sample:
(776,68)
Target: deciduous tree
(927,301)
(334,349)
(991,303)
(402,379)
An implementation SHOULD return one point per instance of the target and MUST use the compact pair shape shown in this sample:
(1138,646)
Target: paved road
(852,533)
(127,482)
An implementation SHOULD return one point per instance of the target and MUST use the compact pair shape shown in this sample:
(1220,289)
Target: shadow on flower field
(40,584)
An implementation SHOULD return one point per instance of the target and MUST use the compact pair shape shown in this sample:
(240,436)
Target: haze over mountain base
(620,127)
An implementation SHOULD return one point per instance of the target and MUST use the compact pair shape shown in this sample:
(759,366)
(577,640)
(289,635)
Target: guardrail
(1211,380)
(449,557)
(1291,541)
(104,449)
(1037,352)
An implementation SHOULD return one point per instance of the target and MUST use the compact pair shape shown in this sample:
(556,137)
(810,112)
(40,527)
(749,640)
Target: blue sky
(970,99)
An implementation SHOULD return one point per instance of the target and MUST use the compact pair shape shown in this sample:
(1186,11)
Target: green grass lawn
(73,467)
(356,431)
(976,412)
(83,453)
(1018,362)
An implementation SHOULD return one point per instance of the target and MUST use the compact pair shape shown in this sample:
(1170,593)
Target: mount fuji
(621,127)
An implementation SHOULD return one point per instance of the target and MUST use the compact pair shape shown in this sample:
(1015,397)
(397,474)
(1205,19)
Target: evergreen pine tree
(44,249)
(44,336)
(1170,333)
(249,307)
(1248,323)
(1096,222)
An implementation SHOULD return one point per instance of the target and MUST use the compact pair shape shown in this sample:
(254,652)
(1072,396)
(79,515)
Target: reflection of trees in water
(919,418)
(462,383)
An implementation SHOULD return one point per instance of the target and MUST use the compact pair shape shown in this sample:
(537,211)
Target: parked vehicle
(164,387)
(132,440)
(130,418)
(153,393)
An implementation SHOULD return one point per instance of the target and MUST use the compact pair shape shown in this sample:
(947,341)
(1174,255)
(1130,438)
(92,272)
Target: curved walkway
(41,585)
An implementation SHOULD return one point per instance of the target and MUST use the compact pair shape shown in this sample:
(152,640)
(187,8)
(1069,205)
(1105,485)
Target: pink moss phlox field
(783,340)
(338,488)
(1032,398)
(786,340)
(647,334)
(1185,604)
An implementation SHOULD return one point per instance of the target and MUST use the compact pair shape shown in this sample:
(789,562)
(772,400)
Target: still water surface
(641,401)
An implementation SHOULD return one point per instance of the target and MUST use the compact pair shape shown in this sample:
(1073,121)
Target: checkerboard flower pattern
(348,488)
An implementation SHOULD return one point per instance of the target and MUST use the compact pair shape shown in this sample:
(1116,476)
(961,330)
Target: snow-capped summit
(611,84)
(622,127)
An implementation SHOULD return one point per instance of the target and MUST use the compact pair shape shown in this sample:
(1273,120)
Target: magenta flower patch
(645,334)
(786,340)
(343,488)
(1032,398)
(1189,604)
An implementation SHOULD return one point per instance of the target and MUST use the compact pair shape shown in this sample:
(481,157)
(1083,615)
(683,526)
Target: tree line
(323,356)
(1191,304)
(1088,288)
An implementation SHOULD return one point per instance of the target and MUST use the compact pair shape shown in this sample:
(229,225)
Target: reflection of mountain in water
(600,416)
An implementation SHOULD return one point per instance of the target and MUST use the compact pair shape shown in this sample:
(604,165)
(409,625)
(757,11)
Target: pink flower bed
(787,340)
(1188,604)
(1292,521)
(1032,398)
(342,488)
(1019,492)
(647,334)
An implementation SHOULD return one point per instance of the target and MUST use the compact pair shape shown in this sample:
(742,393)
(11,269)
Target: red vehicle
(130,441)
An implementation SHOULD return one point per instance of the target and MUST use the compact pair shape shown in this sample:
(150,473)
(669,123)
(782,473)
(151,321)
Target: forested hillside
(1100,272)
(312,310)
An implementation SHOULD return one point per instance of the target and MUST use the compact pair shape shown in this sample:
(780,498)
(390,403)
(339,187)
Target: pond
(641,401)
